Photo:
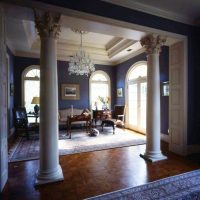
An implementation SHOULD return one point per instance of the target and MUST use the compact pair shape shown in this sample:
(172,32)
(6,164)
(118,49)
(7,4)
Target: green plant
(104,100)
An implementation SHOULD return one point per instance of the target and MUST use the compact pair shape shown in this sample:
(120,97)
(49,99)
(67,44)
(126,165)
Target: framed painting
(165,88)
(70,92)
(119,92)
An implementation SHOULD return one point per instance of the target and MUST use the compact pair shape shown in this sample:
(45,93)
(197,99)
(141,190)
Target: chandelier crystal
(80,63)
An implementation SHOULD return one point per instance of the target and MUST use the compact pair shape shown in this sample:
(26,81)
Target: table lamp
(36,100)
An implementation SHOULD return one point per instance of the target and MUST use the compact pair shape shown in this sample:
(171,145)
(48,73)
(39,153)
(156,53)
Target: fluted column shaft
(152,44)
(49,169)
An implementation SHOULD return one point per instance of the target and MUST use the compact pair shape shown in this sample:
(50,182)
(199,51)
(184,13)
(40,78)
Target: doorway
(136,82)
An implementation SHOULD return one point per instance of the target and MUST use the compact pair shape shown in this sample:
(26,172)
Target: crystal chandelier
(80,63)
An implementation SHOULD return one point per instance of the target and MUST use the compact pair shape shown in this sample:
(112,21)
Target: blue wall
(11,77)
(83,81)
(117,75)
(193,35)
(20,64)
(164,100)
(63,78)
(122,70)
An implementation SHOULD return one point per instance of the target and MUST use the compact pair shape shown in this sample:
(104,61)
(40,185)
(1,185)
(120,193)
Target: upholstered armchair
(22,127)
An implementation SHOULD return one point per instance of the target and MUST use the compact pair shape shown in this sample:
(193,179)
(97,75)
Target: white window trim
(23,78)
(128,81)
(90,81)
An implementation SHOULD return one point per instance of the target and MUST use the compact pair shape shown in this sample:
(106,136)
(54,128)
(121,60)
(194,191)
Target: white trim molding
(91,81)
(23,78)
(152,10)
(127,82)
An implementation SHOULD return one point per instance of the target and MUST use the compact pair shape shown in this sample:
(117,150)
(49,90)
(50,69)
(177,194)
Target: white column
(49,169)
(152,44)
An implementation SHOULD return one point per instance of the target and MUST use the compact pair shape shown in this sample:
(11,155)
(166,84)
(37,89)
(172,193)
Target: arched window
(30,86)
(136,81)
(100,90)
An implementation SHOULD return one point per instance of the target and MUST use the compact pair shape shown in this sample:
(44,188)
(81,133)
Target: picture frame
(70,91)
(11,89)
(165,88)
(119,92)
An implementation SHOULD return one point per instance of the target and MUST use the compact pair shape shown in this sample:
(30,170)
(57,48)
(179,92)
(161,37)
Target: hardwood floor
(93,173)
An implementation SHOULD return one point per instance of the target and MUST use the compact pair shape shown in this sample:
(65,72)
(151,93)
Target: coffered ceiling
(106,44)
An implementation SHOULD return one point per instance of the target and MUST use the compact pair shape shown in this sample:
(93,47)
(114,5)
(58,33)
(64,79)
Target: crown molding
(30,32)
(61,57)
(152,10)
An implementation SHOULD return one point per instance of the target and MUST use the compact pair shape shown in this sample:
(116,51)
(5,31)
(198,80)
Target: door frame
(135,65)
(28,68)
(8,89)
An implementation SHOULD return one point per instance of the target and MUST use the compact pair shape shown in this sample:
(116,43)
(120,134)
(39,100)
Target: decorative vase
(104,107)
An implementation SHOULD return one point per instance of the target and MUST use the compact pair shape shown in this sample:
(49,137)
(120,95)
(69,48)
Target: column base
(49,177)
(153,158)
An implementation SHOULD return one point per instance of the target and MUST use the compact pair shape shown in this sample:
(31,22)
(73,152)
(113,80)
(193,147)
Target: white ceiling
(106,44)
(106,48)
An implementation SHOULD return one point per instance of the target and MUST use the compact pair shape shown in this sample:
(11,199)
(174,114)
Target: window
(30,86)
(136,97)
(99,87)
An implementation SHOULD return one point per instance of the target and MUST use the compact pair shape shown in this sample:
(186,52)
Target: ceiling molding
(113,43)
(70,49)
(121,47)
(152,10)
(136,53)
(30,32)
(61,57)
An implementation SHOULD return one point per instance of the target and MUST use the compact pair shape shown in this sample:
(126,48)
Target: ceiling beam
(126,43)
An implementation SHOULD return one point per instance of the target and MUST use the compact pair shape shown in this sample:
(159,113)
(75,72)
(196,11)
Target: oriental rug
(180,187)
(24,149)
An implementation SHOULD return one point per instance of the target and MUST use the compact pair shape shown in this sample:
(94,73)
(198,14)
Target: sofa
(64,113)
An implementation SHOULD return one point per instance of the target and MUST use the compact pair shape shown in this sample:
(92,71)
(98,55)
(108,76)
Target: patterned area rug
(181,187)
(81,142)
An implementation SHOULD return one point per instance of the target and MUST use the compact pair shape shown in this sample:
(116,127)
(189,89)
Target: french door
(137,104)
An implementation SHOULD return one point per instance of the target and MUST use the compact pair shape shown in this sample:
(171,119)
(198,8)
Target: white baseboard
(164,137)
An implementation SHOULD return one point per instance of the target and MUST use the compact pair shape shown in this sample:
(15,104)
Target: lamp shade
(35,100)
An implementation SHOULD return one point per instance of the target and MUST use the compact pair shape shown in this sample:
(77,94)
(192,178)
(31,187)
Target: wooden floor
(93,173)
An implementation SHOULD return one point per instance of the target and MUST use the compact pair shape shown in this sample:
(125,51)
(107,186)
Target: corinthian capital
(47,24)
(153,43)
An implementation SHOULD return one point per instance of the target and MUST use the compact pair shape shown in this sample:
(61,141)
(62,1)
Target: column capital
(47,24)
(153,43)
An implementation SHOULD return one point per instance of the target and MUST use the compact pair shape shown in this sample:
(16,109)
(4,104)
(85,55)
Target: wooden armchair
(119,114)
